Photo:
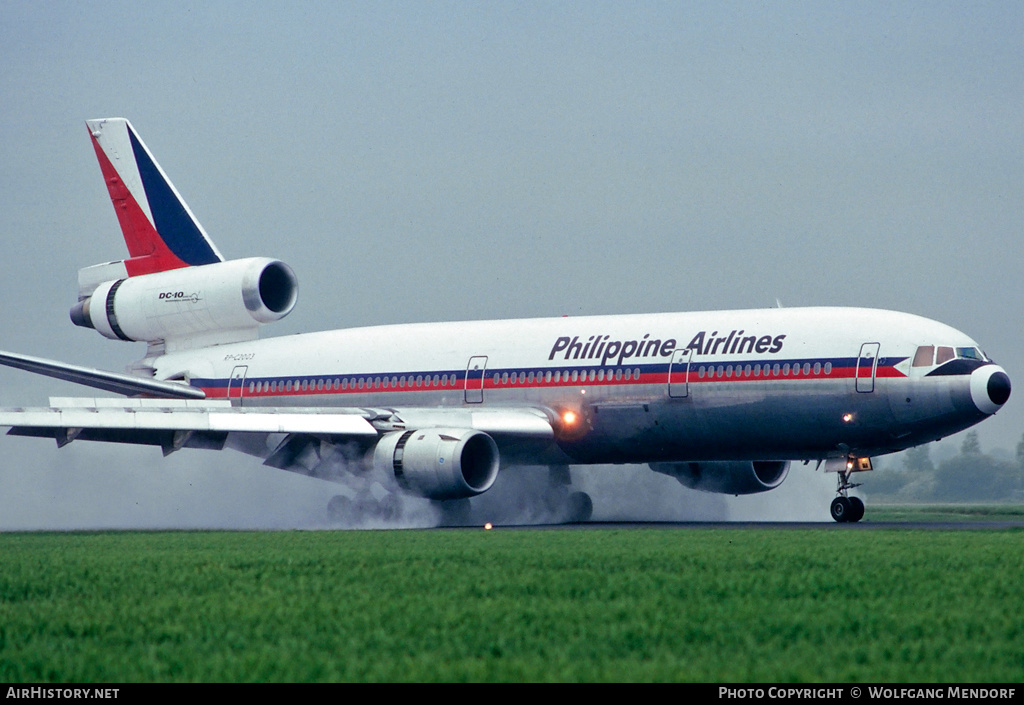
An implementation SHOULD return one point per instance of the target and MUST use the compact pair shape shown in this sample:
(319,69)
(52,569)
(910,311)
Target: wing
(184,423)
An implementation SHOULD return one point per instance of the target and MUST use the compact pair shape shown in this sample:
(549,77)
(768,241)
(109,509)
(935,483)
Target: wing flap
(160,415)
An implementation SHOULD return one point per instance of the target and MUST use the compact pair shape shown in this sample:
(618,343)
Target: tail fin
(158,227)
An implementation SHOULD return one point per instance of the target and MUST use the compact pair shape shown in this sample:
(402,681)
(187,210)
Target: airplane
(722,401)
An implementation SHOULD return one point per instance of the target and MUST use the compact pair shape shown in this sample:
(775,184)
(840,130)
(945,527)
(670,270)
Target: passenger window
(944,355)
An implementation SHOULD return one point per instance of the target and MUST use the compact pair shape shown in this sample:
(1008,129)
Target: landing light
(847,417)
(569,418)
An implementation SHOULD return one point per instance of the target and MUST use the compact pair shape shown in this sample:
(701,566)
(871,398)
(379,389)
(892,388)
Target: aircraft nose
(990,388)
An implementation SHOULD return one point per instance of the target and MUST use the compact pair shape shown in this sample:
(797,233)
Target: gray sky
(434,161)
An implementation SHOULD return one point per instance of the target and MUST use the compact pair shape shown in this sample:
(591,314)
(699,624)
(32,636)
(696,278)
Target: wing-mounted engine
(188,307)
(727,477)
(439,463)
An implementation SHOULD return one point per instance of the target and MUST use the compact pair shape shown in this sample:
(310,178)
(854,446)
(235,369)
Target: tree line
(969,476)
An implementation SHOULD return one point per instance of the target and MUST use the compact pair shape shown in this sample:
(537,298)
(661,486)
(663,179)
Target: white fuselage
(771,384)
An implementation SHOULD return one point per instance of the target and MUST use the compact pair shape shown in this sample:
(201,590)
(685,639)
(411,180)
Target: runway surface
(999,525)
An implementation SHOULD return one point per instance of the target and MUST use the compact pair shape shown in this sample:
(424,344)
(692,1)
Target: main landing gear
(566,506)
(522,496)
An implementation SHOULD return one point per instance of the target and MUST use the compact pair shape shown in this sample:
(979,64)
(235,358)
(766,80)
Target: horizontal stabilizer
(114,382)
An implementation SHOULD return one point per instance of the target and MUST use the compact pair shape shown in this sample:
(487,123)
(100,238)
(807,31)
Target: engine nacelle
(439,463)
(212,303)
(727,477)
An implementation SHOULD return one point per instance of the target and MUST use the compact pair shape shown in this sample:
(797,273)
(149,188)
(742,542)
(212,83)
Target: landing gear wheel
(844,507)
(579,508)
(841,509)
(856,509)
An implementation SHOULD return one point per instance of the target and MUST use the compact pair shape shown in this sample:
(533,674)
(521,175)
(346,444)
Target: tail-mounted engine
(439,463)
(727,477)
(193,306)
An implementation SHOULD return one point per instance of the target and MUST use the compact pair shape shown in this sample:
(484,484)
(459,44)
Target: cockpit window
(927,354)
(924,356)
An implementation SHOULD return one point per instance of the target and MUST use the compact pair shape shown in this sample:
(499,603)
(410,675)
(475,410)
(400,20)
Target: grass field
(471,605)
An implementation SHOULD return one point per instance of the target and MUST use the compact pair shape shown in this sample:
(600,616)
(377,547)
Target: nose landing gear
(845,508)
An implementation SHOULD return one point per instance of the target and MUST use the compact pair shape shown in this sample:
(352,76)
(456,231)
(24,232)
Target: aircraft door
(679,373)
(236,385)
(475,379)
(867,365)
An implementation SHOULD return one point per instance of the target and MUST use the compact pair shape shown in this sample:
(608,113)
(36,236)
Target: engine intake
(213,303)
(439,463)
(727,477)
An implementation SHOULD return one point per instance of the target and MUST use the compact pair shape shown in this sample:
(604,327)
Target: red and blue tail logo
(158,227)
